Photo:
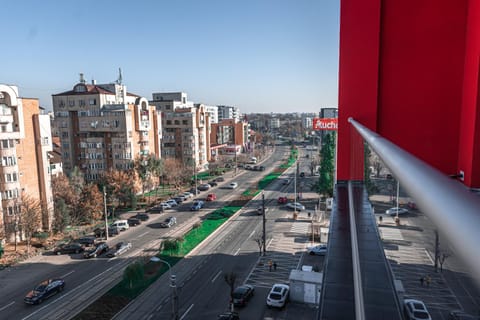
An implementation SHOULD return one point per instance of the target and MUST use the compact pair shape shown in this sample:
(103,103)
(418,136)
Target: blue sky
(262,56)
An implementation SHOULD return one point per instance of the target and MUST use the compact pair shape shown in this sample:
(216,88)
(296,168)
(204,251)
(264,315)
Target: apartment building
(25,146)
(102,126)
(228,112)
(231,132)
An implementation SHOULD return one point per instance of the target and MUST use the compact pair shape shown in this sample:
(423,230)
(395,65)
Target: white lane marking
(185,314)
(6,306)
(251,234)
(429,256)
(236,252)
(141,235)
(216,276)
(67,274)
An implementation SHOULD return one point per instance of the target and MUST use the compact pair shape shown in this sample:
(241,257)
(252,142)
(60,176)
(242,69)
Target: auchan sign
(325,123)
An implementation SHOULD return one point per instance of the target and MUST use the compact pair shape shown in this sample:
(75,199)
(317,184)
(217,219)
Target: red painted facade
(409,70)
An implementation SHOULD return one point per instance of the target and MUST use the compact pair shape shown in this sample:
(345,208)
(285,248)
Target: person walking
(274,266)
(428,280)
(421,281)
(270,265)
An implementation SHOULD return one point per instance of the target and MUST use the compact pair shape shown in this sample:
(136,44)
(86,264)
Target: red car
(282,200)
(211,197)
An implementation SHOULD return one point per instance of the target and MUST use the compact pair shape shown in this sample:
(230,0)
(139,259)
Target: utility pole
(173,285)
(264,240)
(437,250)
(105,211)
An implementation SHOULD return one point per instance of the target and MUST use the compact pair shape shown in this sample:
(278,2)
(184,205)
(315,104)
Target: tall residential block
(25,147)
(102,127)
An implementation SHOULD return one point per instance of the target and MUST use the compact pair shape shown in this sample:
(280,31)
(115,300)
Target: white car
(232,185)
(172,203)
(295,206)
(415,310)
(165,205)
(319,250)
(394,211)
(278,295)
(187,194)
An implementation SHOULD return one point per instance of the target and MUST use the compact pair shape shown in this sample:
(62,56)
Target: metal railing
(449,204)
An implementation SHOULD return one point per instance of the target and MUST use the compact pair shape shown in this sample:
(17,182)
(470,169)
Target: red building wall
(409,71)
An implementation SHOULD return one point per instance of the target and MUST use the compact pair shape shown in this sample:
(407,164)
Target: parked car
(156,209)
(278,295)
(319,250)
(242,294)
(133,221)
(415,310)
(142,216)
(164,205)
(232,185)
(297,206)
(204,187)
(112,231)
(122,225)
(179,199)
(396,210)
(169,222)
(259,210)
(87,241)
(228,316)
(211,197)
(194,191)
(101,248)
(213,183)
(68,248)
(286,181)
(44,290)
(220,179)
(197,205)
(188,194)
(172,203)
(261,168)
(282,200)
(461,315)
(119,249)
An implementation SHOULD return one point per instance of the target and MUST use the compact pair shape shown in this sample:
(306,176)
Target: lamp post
(105,211)
(173,285)
(264,240)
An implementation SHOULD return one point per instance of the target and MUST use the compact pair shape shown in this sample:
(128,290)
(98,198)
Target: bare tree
(30,217)
(443,256)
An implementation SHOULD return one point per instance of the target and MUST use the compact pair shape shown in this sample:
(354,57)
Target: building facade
(25,146)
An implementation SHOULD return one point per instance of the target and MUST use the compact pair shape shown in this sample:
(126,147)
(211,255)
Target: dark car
(44,290)
(112,231)
(213,183)
(220,179)
(87,241)
(156,209)
(101,248)
(73,247)
(119,249)
(169,222)
(282,200)
(242,294)
(194,191)
(142,216)
(461,315)
(261,168)
(204,187)
(228,316)
(133,221)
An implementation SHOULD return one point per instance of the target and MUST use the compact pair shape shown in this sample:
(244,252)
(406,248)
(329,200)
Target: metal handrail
(449,204)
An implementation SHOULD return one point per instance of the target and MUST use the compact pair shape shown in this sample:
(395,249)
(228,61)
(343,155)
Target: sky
(259,55)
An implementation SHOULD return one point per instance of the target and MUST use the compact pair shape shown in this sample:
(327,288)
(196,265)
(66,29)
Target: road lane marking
(251,234)
(236,252)
(216,276)
(185,314)
(6,306)
(141,235)
(67,274)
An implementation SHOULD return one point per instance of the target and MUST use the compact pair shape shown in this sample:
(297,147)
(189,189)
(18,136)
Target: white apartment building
(228,112)
(212,113)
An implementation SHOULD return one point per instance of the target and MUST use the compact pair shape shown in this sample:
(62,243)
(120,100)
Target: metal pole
(264,240)
(173,285)
(105,211)
(398,194)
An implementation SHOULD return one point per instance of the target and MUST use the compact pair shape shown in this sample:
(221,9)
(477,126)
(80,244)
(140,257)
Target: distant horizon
(262,57)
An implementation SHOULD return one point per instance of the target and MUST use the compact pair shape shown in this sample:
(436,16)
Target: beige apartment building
(25,147)
(102,126)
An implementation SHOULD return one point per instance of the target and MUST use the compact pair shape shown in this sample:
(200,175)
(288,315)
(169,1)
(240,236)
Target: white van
(253,160)
(122,225)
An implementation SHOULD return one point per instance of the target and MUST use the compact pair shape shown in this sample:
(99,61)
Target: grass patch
(268,179)
(250,193)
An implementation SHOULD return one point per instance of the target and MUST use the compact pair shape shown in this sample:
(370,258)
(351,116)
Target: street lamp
(263,234)
(105,211)
(173,285)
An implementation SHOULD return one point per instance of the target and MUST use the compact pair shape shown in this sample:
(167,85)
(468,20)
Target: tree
(230,279)
(92,203)
(134,272)
(30,217)
(175,172)
(327,154)
(120,187)
(61,217)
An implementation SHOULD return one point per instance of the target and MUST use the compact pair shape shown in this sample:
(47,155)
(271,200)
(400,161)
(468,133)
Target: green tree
(327,165)
(133,273)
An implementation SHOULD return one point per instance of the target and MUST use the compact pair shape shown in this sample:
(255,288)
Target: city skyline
(269,56)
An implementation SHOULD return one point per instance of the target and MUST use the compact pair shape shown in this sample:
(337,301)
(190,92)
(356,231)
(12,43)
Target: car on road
(133,221)
(461,315)
(122,225)
(73,247)
(297,206)
(112,231)
(242,294)
(156,209)
(213,183)
(120,248)
(44,290)
(278,295)
(396,210)
(142,216)
(172,203)
(319,250)
(86,241)
(259,210)
(211,197)
(169,222)
(194,191)
(415,310)
(197,205)
(220,179)
(179,199)
(302,174)
(282,200)
(232,185)
(228,316)
(261,168)
(164,205)
(204,187)
(187,194)
(101,248)
(286,181)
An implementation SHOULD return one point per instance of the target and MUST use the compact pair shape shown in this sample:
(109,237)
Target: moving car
(259,210)
(169,222)
(278,295)
(142,216)
(213,183)
(295,206)
(172,203)
(101,247)
(211,197)
(133,221)
(220,179)
(282,200)
(319,250)
(396,210)
(44,290)
(286,181)
(204,187)
(73,247)
(242,294)
(228,316)
(415,310)
(461,315)
(232,185)
(119,249)
(197,205)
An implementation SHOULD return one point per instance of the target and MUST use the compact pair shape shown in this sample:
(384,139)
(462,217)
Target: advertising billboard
(325,123)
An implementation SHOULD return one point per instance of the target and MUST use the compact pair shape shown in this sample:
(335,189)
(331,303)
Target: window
(92,102)
(177,121)
(185,122)
(81,103)
(71,103)
(45,141)
(4,128)
(169,122)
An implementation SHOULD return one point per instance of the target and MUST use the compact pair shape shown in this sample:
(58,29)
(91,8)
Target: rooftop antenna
(82,79)
(119,80)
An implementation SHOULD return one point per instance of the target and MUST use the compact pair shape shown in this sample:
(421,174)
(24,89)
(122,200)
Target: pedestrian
(380,219)
(274,266)
(309,214)
(421,281)
(270,265)
(428,280)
